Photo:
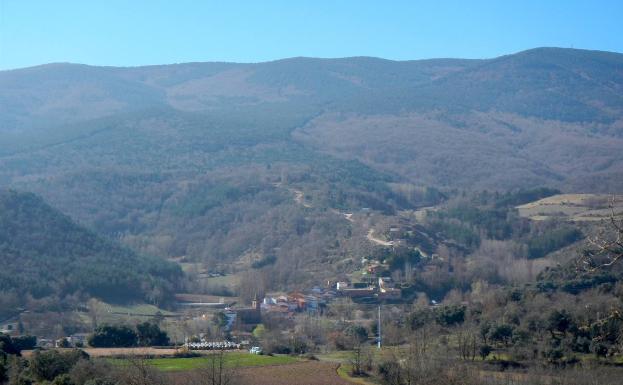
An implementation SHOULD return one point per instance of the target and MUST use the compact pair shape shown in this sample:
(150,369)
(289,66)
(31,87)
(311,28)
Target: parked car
(255,350)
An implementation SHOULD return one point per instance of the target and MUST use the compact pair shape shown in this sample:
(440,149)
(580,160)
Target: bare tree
(139,371)
(358,358)
(606,248)
(96,311)
(416,365)
(467,345)
(216,371)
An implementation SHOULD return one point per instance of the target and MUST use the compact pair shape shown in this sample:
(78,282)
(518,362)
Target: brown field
(113,352)
(301,373)
(118,352)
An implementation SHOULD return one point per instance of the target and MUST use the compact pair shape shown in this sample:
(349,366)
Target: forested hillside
(203,160)
(44,254)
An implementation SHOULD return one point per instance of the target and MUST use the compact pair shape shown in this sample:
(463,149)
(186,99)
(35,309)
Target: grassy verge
(337,356)
(142,309)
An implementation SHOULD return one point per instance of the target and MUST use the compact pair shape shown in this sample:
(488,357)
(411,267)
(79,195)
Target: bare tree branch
(605,249)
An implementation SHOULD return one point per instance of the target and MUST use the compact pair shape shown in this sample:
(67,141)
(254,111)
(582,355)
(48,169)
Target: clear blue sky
(135,32)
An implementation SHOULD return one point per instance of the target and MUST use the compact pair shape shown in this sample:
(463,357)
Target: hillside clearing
(572,207)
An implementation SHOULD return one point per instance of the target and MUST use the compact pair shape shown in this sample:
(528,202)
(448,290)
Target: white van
(255,350)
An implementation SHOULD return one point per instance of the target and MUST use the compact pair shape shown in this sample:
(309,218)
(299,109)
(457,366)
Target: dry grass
(117,352)
(572,207)
(300,373)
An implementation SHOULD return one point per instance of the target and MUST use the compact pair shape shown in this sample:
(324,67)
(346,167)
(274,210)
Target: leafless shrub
(139,371)
(605,249)
(215,371)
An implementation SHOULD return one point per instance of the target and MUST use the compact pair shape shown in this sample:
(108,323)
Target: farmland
(572,207)
(302,373)
(259,369)
(232,360)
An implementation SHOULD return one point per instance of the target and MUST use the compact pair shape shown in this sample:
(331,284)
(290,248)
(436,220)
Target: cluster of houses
(313,302)
(10,326)
(317,299)
(375,289)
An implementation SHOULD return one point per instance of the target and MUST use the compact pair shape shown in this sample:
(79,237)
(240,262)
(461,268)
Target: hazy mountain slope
(201,185)
(552,83)
(53,94)
(549,83)
(43,253)
(476,149)
(134,152)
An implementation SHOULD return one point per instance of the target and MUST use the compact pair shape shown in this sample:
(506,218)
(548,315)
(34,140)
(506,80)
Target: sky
(136,32)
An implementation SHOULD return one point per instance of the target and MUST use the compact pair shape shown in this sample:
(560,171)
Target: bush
(390,372)
(266,261)
(450,315)
(502,333)
(87,371)
(7,346)
(112,337)
(599,349)
(559,321)
(63,379)
(149,334)
(420,318)
(48,365)
(186,354)
(25,342)
(484,351)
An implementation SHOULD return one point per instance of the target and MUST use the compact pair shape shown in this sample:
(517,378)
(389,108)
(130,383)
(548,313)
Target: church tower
(255,304)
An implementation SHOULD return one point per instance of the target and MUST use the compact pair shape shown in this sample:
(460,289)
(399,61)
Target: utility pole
(378,341)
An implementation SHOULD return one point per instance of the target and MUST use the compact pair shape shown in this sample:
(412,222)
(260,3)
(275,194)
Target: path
(299,197)
(378,241)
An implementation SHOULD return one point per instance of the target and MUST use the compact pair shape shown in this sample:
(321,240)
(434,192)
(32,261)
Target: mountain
(200,159)
(44,253)
(456,108)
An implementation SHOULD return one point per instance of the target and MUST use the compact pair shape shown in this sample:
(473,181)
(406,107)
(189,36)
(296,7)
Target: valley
(355,220)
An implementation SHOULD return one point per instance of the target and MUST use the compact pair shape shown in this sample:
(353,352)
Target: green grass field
(142,309)
(233,360)
(113,314)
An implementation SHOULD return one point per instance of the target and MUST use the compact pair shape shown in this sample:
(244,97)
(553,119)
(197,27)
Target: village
(241,321)
(371,284)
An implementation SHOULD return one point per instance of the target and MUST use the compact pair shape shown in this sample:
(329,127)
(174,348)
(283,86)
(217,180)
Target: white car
(255,350)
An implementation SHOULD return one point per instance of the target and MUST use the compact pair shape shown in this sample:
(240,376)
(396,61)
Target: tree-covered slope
(543,116)
(44,253)
(197,159)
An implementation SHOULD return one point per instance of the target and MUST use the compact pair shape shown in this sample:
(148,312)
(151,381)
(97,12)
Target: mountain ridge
(529,50)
